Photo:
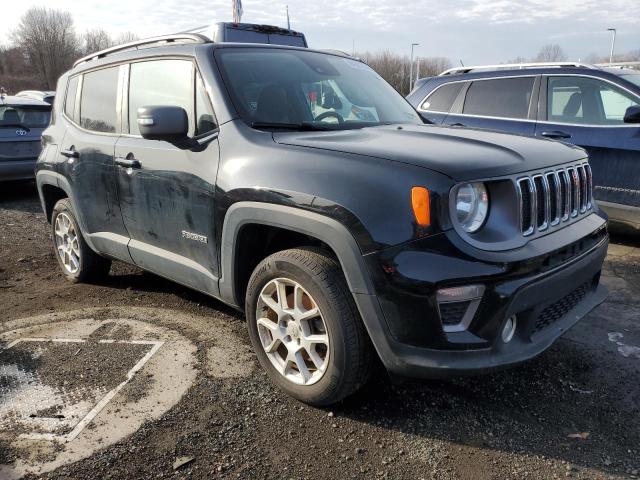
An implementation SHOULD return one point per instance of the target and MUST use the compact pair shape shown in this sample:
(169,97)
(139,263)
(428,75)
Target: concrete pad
(67,385)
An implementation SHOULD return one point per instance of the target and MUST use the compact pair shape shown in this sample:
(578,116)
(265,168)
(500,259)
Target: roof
(23,102)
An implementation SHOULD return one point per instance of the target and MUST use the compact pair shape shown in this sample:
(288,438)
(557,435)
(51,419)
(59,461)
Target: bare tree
(432,66)
(48,40)
(126,37)
(15,73)
(518,59)
(96,40)
(392,67)
(551,53)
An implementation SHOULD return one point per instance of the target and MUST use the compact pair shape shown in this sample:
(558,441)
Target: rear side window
(98,100)
(441,100)
(70,99)
(161,83)
(502,98)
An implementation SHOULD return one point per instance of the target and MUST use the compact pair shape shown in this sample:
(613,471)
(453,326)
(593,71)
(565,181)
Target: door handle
(457,124)
(128,162)
(556,134)
(70,153)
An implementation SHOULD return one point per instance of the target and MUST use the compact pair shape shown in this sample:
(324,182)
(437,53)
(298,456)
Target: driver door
(167,193)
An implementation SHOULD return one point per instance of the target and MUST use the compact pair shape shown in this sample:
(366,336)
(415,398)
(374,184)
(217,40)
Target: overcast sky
(476,31)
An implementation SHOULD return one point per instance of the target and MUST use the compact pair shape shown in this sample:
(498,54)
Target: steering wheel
(328,114)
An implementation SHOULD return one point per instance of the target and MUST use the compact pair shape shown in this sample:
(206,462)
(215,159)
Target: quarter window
(70,99)
(503,98)
(441,100)
(98,100)
(161,83)
(586,101)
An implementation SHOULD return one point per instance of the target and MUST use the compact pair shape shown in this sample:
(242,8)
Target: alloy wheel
(292,331)
(67,243)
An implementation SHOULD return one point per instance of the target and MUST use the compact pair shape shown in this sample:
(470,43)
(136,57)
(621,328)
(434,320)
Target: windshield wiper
(302,126)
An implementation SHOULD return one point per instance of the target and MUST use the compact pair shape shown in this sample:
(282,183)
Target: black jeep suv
(298,186)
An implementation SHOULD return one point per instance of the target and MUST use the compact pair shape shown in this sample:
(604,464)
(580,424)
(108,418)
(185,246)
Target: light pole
(613,43)
(411,71)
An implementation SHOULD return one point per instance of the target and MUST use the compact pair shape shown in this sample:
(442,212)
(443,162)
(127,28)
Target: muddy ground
(572,412)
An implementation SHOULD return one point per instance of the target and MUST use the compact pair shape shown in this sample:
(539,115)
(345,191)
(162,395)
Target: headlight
(472,205)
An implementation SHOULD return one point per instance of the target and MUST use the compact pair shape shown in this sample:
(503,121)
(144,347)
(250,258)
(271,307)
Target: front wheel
(305,328)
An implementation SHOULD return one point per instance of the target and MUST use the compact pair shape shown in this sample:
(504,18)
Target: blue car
(22,120)
(594,107)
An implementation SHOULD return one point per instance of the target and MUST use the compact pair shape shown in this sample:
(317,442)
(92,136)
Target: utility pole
(613,43)
(411,71)
(288,22)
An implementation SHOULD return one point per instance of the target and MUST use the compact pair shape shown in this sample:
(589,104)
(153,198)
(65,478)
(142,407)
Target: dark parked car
(594,107)
(230,169)
(22,121)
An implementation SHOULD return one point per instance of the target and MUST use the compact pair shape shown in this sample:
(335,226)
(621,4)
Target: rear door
(167,192)
(439,102)
(86,157)
(589,112)
(506,104)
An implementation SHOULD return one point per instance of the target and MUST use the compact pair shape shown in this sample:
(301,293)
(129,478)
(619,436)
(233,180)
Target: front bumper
(17,170)
(548,295)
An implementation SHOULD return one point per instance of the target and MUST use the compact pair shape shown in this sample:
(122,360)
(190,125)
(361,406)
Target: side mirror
(163,123)
(632,115)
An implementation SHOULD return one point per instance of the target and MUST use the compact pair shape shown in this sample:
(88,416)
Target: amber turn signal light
(421,207)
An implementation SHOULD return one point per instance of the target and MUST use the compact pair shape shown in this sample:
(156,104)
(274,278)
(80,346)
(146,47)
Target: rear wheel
(76,259)
(305,328)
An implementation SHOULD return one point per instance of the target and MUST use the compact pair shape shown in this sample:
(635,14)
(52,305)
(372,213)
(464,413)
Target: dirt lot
(573,412)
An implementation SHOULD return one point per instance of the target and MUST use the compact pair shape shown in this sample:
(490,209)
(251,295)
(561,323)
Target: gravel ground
(572,412)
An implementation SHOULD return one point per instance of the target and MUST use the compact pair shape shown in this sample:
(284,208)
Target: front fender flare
(323,228)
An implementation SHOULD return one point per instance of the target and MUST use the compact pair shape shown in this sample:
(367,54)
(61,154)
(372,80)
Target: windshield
(29,117)
(301,89)
(633,78)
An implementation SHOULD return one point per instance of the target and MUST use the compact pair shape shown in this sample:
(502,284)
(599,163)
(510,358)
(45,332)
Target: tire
(76,259)
(312,281)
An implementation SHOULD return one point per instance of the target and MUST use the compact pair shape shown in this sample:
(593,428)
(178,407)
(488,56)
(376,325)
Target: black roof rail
(145,42)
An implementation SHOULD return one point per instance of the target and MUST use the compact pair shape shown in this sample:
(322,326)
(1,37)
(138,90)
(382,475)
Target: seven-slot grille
(549,198)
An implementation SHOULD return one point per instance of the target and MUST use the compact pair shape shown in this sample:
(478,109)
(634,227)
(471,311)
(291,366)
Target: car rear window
(441,100)
(24,116)
(98,100)
(502,98)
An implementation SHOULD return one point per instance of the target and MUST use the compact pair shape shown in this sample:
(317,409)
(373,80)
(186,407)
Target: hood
(460,153)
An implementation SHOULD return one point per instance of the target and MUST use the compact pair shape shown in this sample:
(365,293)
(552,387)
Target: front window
(24,116)
(301,89)
(633,78)
(160,82)
(586,101)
